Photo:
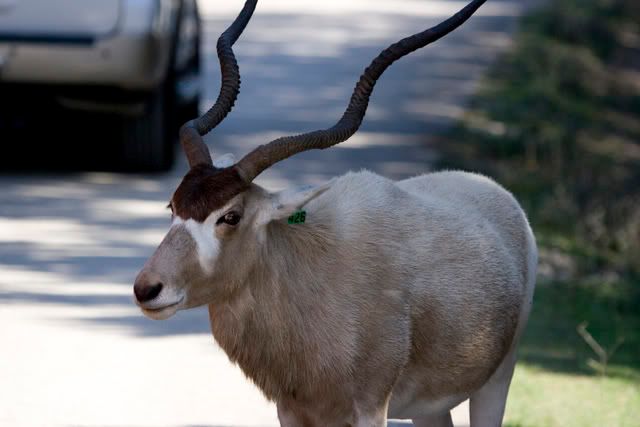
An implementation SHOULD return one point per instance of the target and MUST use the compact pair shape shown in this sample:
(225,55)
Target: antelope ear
(285,203)
(224,161)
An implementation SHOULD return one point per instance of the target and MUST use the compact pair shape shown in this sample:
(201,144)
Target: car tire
(147,141)
(187,110)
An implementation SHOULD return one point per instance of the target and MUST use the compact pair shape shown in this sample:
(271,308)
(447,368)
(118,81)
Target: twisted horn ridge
(266,155)
(191,132)
(230,72)
(194,147)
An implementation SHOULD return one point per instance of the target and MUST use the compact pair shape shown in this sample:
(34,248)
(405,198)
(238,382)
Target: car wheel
(147,142)
(186,63)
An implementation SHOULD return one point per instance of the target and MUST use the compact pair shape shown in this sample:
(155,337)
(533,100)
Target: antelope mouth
(162,313)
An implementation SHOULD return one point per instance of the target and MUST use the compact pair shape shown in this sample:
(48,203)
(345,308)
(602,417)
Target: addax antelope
(383,299)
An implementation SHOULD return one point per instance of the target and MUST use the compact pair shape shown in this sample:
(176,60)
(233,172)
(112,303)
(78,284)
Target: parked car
(134,63)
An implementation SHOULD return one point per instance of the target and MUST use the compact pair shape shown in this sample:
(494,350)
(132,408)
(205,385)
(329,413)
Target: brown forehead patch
(205,189)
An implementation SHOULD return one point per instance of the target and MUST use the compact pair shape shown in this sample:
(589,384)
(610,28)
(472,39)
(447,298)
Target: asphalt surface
(74,350)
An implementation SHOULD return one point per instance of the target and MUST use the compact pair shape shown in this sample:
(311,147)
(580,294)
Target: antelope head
(219,214)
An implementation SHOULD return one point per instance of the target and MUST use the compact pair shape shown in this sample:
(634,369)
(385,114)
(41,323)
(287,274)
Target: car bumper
(133,62)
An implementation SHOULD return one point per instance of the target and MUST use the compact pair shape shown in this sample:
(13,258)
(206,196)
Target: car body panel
(129,47)
(58,17)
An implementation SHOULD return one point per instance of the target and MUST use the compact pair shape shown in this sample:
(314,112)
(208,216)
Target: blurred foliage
(557,121)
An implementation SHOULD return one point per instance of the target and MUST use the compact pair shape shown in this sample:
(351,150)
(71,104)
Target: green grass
(541,398)
(552,342)
(553,384)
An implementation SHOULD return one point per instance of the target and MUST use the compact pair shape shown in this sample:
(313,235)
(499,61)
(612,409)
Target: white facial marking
(203,233)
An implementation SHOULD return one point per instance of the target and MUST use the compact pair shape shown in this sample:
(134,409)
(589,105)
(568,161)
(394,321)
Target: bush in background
(557,121)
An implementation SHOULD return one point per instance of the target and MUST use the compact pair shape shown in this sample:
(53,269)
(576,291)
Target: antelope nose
(145,292)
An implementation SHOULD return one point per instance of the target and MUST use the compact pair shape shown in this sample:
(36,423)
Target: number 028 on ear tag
(298,218)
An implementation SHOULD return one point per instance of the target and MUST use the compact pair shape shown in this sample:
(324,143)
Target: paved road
(74,350)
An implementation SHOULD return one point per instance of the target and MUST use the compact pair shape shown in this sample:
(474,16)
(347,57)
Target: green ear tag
(298,217)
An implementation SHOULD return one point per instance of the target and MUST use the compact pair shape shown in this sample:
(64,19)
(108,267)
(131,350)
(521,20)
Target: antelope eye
(231,218)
